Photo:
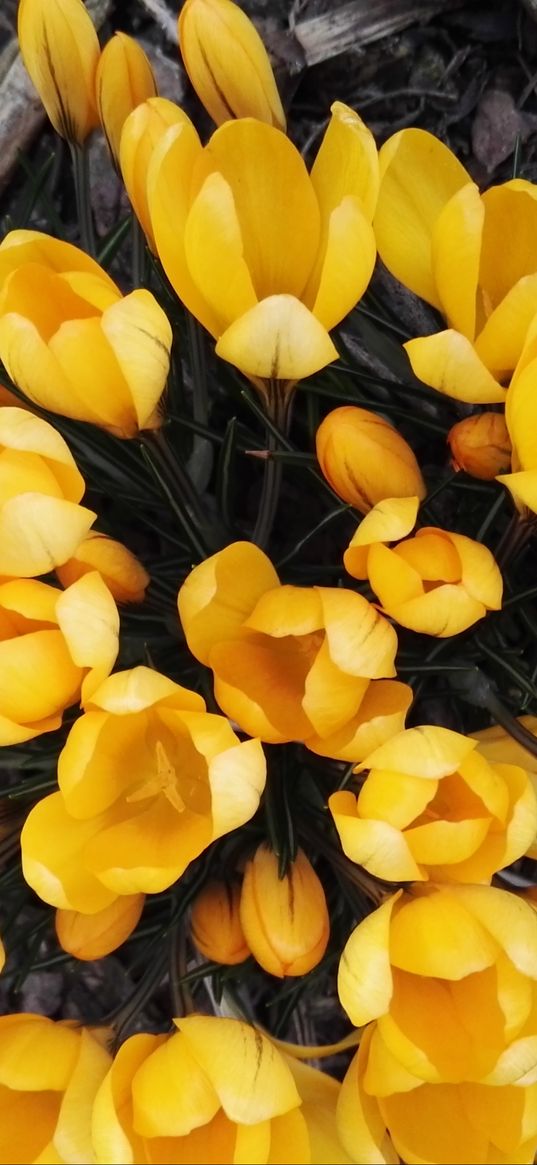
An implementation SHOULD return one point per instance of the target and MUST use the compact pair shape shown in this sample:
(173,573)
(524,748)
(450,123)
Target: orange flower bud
(285,920)
(480,445)
(60,50)
(124,79)
(91,936)
(365,459)
(227,62)
(216,925)
(123,574)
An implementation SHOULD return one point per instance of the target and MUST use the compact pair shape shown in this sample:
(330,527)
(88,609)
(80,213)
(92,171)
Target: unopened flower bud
(480,445)
(365,459)
(124,79)
(285,920)
(216,924)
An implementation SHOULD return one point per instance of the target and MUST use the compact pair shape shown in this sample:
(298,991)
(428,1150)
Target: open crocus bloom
(148,779)
(73,343)
(216,1090)
(49,1075)
(433,1123)
(473,256)
(437,583)
(433,807)
(448,974)
(293,663)
(268,257)
(41,524)
(53,646)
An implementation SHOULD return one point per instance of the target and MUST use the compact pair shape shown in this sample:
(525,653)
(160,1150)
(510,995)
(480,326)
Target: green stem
(79,155)
(279,397)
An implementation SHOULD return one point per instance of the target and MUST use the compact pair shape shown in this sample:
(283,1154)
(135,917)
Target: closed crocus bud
(285,920)
(124,79)
(267,257)
(92,936)
(216,926)
(227,62)
(141,133)
(216,1090)
(431,966)
(480,445)
(148,779)
(433,807)
(293,663)
(60,50)
(41,524)
(433,1122)
(50,1073)
(54,645)
(123,574)
(436,583)
(72,343)
(365,459)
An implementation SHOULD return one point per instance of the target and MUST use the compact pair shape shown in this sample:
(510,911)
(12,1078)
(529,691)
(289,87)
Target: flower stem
(278,397)
(79,155)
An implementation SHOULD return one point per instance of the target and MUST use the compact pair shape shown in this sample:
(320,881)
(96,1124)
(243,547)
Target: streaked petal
(448,362)
(140,337)
(278,339)
(360,641)
(419,175)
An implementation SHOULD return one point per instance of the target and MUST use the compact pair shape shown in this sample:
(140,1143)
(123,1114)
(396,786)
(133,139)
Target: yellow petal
(89,621)
(331,696)
(38,677)
(392,578)
(448,362)
(360,1125)
(140,135)
(365,976)
(419,175)
(215,254)
(260,683)
(72,1137)
(122,572)
(60,50)
(36,371)
(436,935)
(52,843)
(87,361)
(141,687)
(140,337)
(509,248)
(237,779)
(287,610)
(278,339)
(227,62)
(376,845)
(388,521)
(431,1124)
(509,920)
(501,341)
(26,433)
(260,1084)
(91,936)
(446,610)
(390,796)
(346,163)
(480,574)
(360,641)
(148,851)
(25,246)
(519,414)
(113,1136)
(220,594)
(426,751)
(38,533)
(446,842)
(187,1099)
(274,199)
(456,253)
(381,713)
(168,181)
(344,265)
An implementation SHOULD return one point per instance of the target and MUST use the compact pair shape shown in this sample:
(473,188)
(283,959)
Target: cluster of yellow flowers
(441,976)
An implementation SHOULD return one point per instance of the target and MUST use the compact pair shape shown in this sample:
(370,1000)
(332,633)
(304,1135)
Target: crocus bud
(216,924)
(365,459)
(124,79)
(123,574)
(142,131)
(60,50)
(227,62)
(92,936)
(480,445)
(285,920)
